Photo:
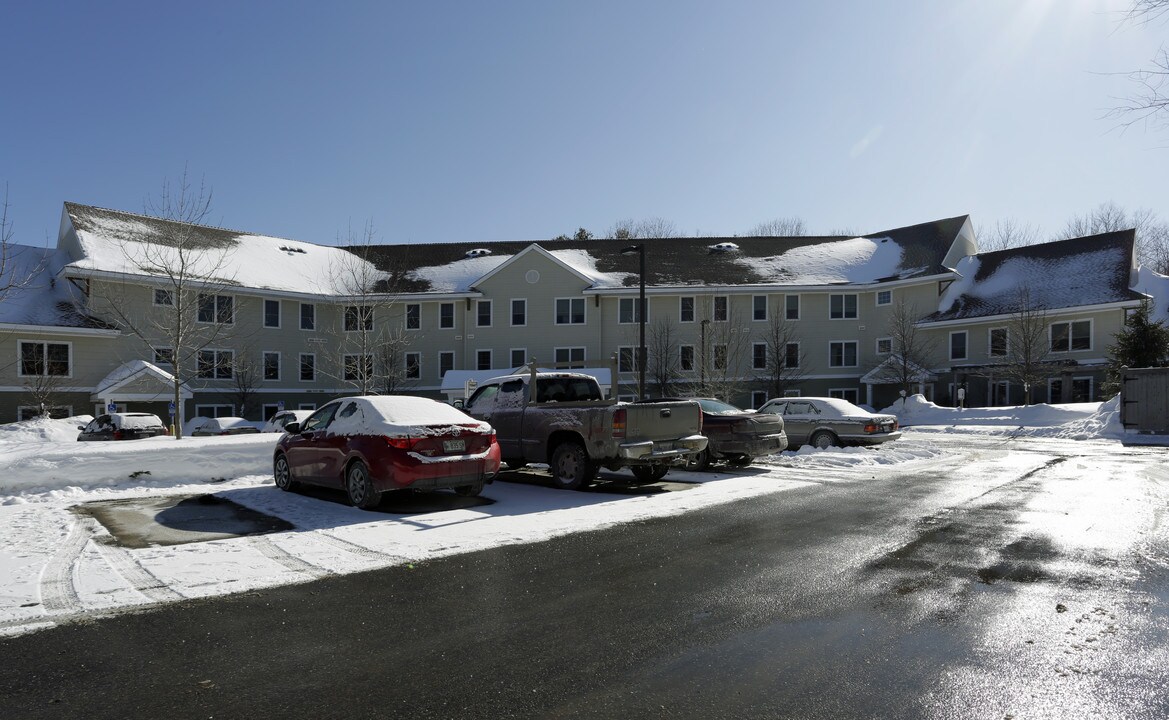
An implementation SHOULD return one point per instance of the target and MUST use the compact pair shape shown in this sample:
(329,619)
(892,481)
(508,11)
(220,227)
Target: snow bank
(1075,421)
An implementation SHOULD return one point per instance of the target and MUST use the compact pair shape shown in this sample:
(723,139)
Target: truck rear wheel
(571,467)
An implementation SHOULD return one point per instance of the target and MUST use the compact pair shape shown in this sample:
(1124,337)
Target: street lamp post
(640,250)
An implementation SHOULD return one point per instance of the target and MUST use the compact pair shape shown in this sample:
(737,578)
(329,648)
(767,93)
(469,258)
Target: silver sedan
(825,422)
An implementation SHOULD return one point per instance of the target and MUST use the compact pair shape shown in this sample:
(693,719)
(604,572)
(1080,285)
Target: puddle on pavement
(177,520)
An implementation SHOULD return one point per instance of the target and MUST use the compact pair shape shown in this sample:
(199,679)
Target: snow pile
(858,260)
(1078,421)
(890,453)
(14,435)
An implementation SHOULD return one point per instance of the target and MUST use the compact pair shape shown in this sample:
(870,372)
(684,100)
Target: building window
(686,357)
(791,355)
(842,354)
(998,342)
(357,367)
(216,309)
(271,366)
(627,311)
(413,365)
(358,318)
(849,394)
(216,364)
(758,397)
(446,316)
(163,297)
(308,367)
(519,357)
(791,307)
(44,359)
(884,346)
(164,356)
(759,307)
(483,313)
(842,307)
(214,411)
(308,316)
(759,356)
(1081,390)
(720,308)
(1068,336)
(446,362)
(627,359)
(413,316)
(573,356)
(884,297)
(519,313)
(483,360)
(570,311)
(958,345)
(271,313)
(720,356)
(686,309)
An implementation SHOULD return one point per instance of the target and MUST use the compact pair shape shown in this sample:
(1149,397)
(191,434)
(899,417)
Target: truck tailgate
(662,420)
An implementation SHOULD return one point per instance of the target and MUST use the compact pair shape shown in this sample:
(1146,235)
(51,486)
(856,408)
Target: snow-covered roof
(1094,270)
(120,242)
(36,297)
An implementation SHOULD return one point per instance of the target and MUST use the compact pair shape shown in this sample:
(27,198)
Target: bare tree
(247,375)
(1027,343)
(724,352)
(911,350)
(43,386)
(786,361)
(369,348)
(12,275)
(193,277)
(1008,234)
(649,228)
(779,227)
(1149,103)
(662,346)
(1152,234)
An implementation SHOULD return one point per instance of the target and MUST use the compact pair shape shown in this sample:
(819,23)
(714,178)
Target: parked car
(736,436)
(369,445)
(824,422)
(122,426)
(204,427)
(277,422)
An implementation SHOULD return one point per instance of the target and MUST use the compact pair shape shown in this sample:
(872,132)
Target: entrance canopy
(138,381)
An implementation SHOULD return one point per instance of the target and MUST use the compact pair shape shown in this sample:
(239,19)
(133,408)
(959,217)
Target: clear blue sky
(444,121)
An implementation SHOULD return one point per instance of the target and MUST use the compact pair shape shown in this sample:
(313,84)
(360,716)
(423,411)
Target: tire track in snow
(359,550)
(278,555)
(58,594)
(135,574)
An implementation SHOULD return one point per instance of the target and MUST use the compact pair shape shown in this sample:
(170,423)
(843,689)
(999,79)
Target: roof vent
(288,249)
(478,252)
(724,247)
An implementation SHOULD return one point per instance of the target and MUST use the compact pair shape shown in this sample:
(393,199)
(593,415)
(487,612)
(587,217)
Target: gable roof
(34,296)
(1093,270)
(914,251)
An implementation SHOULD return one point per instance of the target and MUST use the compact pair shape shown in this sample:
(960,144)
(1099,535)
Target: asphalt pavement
(1023,579)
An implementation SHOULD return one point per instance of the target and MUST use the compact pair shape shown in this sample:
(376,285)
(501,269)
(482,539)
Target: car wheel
(571,467)
(822,440)
(470,490)
(740,460)
(359,487)
(283,473)
(650,473)
(699,462)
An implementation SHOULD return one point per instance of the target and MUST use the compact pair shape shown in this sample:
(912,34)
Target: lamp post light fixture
(640,250)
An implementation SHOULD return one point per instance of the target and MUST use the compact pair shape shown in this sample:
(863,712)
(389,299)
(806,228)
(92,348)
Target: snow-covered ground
(58,564)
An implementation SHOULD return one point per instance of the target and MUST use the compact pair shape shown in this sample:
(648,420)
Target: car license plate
(453,446)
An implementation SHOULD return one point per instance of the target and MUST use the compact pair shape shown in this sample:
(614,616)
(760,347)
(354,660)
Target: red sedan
(368,445)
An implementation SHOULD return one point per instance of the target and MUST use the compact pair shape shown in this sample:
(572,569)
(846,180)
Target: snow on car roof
(398,414)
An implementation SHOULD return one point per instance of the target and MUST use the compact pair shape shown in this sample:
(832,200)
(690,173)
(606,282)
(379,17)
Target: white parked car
(277,422)
(204,427)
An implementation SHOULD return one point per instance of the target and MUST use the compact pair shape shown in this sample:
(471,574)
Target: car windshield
(718,407)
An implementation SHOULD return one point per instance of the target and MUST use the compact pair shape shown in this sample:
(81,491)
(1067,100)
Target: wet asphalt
(939,592)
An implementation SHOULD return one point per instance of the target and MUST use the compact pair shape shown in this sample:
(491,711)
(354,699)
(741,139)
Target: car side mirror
(292,428)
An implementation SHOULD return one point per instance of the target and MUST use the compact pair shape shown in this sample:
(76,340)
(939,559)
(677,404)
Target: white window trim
(154,297)
(35,410)
(726,356)
(766,310)
(511,356)
(877,346)
(877,298)
(965,345)
(202,406)
(490,313)
(634,301)
(845,342)
(844,307)
(279,365)
(306,406)
(755,345)
(511,312)
(791,393)
(990,342)
(156,361)
(300,317)
(569,348)
(799,353)
(855,391)
(799,307)
(693,308)
(632,354)
(215,312)
(439,366)
(1091,386)
(345,364)
(757,404)
(300,363)
(360,319)
(490,355)
(714,308)
(693,359)
(406,365)
(279,314)
(556,313)
(217,351)
(453,322)
(406,317)
(1091,335)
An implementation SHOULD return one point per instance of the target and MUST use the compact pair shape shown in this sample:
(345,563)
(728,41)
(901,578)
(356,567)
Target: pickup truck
(563,419)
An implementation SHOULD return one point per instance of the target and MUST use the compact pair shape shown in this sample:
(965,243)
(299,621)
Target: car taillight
(402,443)
(490,439)
(871,428)
(118,435)
(619,423)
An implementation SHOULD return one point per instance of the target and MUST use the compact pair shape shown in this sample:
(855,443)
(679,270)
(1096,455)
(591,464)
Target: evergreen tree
(1143,342)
